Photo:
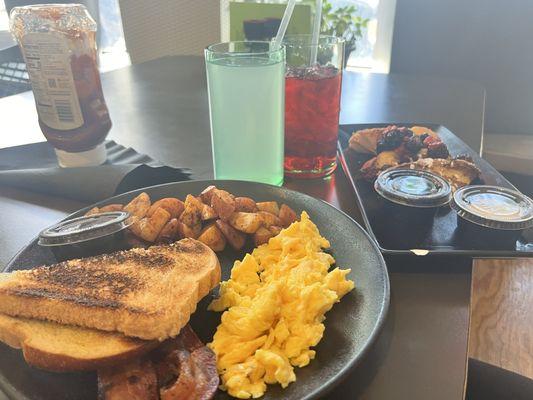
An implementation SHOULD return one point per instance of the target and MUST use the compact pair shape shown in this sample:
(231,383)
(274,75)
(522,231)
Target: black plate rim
(370,231)
(335,380)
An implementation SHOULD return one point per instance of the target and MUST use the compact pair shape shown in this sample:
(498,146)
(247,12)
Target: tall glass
(312,105)
(246,86)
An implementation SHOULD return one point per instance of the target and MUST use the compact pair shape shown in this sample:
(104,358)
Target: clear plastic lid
(413,188)
(85,228)
(494,207)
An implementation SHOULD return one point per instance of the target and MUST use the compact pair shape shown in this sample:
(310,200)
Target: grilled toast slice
(366,140)
(457,172)
(64,348)
(144,293)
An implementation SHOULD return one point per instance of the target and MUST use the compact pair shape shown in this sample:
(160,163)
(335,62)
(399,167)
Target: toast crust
(62,348)
(144,293)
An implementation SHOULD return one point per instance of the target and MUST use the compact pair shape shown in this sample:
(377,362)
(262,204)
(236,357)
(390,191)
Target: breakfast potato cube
(108,208)
(269,206)
(134,241)
(111,207)
(139,206)
(245,222)
(169,233)
(208,213)
(245,204)
(235,238)
(207,193)
(223,203)
(92,211)
(213,237)
(192,213)
(287,215)
(174,206)
(186,231)
(269,219)
(275,230)
(262,235)
(148,228)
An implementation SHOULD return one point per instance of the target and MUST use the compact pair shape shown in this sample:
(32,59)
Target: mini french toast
(417,147)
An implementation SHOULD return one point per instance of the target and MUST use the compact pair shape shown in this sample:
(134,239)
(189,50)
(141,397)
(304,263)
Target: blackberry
(392,138)
(384,146)
(414,144)
(438,150)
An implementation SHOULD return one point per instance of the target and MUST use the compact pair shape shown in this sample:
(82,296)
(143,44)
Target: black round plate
(351,326)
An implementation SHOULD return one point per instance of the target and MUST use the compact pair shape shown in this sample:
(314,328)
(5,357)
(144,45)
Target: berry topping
(393,137)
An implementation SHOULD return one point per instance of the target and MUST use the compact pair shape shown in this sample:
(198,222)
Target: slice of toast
(420,130)
(457,172)
(145,293)
(366,140)
(64,348)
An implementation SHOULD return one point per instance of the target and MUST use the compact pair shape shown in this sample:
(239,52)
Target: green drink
(246,85)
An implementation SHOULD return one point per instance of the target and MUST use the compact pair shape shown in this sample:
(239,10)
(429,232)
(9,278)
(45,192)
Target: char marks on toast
(146,293)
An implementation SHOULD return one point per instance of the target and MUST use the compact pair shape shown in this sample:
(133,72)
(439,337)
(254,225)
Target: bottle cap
(89,158)
(413,188)
(85,228)
(494,207)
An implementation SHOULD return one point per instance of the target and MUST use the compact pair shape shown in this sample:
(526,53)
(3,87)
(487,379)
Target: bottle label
(48,63)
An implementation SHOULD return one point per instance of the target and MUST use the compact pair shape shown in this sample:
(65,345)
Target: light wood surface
(501,316)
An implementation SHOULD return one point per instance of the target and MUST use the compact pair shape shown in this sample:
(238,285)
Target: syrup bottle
(58,43)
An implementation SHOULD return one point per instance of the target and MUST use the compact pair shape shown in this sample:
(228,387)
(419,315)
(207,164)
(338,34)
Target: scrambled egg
(275,303)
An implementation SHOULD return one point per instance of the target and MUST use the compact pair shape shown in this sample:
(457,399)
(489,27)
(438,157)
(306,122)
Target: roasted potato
(269,219)
(213,237)
(245,222)
(207,193)
(111,207)
(269,206)
(275,230)
(108,208)
(134,241)
(169,233)
(186,231)
(235,238)
(262,235)
(174,206)
(208,212)
(245,204)
(287,215)
(192,214)
(148,228)
(223,203)
(139,206)
(92,211)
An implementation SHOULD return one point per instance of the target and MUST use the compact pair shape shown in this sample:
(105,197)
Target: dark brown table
(160,108)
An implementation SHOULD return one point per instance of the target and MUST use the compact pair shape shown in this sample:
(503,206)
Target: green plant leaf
(343,22)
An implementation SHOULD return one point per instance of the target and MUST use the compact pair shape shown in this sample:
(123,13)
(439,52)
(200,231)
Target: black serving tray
(441,236)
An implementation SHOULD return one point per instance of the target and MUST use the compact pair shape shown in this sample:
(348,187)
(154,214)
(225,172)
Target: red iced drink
(312,105)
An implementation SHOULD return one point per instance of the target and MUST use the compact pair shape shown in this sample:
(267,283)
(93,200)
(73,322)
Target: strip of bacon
(136,380)
(179,369)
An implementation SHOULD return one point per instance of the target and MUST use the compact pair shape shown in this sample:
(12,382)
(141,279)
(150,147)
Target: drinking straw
(284,23)
(316,31)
